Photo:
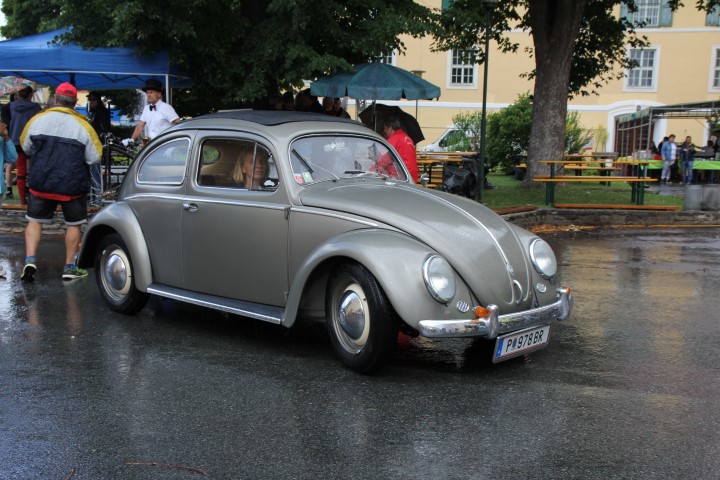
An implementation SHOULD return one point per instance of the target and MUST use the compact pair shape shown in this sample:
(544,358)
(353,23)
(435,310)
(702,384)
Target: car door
(235,233)
(157,198)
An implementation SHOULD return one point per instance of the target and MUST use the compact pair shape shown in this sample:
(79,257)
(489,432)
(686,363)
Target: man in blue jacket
(61,145)
(668,152)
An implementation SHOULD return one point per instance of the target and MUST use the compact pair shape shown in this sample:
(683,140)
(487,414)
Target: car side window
(166,164)
(242,164)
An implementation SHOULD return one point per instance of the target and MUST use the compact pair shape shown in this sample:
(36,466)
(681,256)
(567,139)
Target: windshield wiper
(365,173)
(307,165)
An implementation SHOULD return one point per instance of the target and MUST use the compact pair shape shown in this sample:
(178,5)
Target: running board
(258,311)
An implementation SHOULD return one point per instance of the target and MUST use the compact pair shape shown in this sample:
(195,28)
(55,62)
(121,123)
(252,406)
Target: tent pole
(167,89)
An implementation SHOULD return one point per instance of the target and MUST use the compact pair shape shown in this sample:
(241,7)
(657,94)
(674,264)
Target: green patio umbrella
(375,81)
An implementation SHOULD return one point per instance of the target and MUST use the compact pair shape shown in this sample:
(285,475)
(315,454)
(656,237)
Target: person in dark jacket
(687,158)
(98,114)
(5,119)
(61,145)
(99,118)
(21,111)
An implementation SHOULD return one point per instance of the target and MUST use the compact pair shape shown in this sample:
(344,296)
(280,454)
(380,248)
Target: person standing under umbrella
(404,145)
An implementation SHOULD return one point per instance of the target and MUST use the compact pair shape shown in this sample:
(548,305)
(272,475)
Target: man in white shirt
(157,115)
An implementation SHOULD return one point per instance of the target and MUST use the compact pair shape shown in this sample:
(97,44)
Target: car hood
(482,247)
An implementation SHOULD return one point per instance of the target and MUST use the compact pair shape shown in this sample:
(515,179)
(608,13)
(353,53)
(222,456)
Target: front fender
(118,218)
(395,260)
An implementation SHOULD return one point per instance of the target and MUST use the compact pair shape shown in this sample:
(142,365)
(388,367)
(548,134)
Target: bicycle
(107,177)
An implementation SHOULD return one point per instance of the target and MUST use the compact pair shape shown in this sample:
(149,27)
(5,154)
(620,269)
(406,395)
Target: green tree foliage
(237,52)
(576,137)
(25,17)
(508,134)
(469,125)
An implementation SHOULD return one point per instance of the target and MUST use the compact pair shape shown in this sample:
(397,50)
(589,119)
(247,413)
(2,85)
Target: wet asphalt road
(628,388)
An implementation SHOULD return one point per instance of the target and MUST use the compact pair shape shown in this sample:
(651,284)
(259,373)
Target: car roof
(272,117)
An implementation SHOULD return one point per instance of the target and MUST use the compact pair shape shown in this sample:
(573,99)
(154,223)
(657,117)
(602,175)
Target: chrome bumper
(491,325)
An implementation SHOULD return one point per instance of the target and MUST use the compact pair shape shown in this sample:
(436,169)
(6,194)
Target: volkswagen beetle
(277,216)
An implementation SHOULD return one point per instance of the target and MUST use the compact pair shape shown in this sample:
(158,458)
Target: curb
(12,220)
(600,218)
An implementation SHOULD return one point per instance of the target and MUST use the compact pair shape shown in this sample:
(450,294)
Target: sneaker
(9,194)
(73,273)
(28,272)
(2,272)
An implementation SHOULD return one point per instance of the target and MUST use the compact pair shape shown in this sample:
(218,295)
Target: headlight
(439,278)
(543,258)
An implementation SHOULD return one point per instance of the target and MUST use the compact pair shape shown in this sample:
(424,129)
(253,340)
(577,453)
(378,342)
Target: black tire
(366,340)
(115,278)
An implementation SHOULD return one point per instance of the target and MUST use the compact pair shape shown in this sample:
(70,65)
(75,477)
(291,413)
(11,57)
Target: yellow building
(681,64)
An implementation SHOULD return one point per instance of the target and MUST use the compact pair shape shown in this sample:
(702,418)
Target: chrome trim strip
(493,324)
(311,211)
(258,311)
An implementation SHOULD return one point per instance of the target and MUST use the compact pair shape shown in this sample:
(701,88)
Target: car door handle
(191,207)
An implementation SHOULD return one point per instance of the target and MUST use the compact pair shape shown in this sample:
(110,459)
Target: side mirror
(424,179)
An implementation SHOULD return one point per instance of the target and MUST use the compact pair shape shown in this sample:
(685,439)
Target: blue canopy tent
(36,58)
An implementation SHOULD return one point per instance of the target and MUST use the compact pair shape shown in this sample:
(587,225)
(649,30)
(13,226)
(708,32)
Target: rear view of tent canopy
(35,58)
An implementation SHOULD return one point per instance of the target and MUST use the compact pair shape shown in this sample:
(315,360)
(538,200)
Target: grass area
(513,193)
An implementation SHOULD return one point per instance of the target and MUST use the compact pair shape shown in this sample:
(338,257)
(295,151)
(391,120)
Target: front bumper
(491,325)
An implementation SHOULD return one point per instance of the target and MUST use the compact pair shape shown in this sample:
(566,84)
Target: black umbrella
(374,116)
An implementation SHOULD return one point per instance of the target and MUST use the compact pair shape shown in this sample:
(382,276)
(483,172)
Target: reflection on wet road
(628,387)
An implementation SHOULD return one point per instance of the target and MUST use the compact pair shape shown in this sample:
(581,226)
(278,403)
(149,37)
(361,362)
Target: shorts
(42,210)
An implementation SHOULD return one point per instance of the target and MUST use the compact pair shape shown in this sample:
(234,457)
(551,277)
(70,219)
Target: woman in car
(254,174)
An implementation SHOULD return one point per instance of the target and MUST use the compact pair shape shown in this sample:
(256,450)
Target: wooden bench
(667,208)
(591,178)
(637,183)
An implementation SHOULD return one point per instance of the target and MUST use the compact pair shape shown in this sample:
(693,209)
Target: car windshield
(320,158)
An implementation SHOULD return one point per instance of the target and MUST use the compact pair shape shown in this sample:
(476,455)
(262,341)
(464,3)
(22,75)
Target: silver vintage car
(282,215)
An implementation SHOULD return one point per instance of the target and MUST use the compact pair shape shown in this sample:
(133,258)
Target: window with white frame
(716,69)
(463,69)
(649,14)
(387,58)
(644,74)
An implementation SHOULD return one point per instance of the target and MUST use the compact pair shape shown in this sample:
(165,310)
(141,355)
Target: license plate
(518,343)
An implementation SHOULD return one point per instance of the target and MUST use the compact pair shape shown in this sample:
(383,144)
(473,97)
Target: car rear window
(166,164)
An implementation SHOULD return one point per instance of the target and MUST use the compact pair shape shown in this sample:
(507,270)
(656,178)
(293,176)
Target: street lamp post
(488,6)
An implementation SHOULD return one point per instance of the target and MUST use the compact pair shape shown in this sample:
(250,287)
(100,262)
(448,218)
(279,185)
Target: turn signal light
(480,312)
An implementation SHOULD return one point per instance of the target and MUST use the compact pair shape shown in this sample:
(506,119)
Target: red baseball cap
(66,90)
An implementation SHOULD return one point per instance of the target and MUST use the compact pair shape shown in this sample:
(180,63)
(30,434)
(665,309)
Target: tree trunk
(555,25)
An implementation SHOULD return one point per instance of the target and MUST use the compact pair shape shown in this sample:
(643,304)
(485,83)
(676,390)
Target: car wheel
(114,274)
(361,322)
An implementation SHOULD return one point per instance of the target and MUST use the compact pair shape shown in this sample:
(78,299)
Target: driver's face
(260,170)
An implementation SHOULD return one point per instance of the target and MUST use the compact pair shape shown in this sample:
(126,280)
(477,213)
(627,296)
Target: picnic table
(606,164)
(433,163)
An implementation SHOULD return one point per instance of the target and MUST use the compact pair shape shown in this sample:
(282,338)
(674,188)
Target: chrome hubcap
(116,273)
(352,319)
(352,315)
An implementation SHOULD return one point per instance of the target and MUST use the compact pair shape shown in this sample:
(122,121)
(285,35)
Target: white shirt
(158,119)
